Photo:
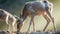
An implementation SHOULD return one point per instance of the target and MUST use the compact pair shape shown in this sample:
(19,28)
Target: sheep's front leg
(13,27)
(8,23)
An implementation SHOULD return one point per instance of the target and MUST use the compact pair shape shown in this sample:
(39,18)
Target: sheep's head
(2,13)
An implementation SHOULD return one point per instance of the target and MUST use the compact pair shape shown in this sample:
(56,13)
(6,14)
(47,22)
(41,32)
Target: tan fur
(39,8)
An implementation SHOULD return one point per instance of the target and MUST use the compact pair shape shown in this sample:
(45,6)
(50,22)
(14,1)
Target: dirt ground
(37,32)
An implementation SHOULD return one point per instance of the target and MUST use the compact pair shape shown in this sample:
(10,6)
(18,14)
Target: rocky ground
(38,32)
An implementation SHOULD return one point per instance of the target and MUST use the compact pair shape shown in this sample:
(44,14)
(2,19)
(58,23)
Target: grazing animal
(9,19)
(39,8)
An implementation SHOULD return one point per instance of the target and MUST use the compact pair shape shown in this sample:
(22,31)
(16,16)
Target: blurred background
(15,7)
